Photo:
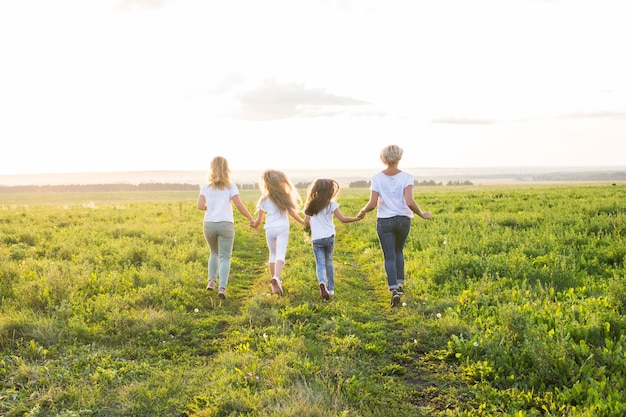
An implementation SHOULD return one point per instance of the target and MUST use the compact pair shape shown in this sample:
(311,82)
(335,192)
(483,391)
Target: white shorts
(277,239)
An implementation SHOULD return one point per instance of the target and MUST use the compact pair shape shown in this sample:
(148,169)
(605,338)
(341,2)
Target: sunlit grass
(515,306)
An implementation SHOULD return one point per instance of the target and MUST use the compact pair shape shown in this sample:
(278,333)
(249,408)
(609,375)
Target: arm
(415,208)
(201,202)
(242,208)
(344,219)
(371,205)
(293,213)
(260,216)
(307,221)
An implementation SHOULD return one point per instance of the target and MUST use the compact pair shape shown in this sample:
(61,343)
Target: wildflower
(196,310)
(438,315)
(414,340)
(475,344)
(264,335)
(403,304)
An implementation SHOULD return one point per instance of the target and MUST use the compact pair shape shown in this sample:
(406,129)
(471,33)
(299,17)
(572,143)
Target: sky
(132,85)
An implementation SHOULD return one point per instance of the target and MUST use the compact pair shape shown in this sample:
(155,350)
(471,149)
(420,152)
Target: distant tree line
(123,187)
(360,184)
(91,188)
(582,176)
(424,183)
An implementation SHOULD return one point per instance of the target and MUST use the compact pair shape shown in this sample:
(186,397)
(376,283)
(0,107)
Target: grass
(515,306)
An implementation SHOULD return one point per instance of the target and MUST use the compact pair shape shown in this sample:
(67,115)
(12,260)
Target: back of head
(391,154)
(321,192)
(277,186)
(219,174)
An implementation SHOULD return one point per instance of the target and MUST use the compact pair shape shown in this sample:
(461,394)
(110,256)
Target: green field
(515,306)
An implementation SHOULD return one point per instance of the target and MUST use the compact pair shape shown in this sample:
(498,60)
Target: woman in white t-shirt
(319,208)
(279,200)
(392,193)
(219,224)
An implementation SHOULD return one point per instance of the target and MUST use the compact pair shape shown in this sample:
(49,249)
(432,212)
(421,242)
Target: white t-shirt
(218,206)
(273,216)
(390,189)
(322,224)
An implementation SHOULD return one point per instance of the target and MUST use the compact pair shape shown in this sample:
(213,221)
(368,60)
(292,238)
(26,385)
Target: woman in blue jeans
(392,193)
(319,208)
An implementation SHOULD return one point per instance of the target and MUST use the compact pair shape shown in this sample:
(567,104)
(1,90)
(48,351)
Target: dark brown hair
(321,192)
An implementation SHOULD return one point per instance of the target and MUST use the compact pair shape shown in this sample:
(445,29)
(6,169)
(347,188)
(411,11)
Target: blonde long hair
(219,173)
(276,186)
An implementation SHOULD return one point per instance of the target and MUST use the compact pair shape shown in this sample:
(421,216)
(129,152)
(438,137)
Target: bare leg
(278,269)
(275,270)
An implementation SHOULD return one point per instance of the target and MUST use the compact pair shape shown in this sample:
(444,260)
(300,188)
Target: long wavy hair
(319,195)
(219,173)
(277,186)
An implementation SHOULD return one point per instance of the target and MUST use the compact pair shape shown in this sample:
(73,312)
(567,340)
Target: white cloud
(274,101)
(124,5)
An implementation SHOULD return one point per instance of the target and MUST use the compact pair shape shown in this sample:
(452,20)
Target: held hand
(426,215)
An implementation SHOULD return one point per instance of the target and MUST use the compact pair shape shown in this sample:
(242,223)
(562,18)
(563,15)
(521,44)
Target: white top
(322,224)
(273,216)
(390,189)
(218,206)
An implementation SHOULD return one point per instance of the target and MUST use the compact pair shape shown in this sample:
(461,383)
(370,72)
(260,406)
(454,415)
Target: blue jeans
(392,234)
(220,236)
(323,251)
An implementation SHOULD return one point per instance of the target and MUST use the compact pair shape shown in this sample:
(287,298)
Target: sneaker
(395,298)
(331,293)
(222,293)
(277,287)
(400,290)
(323,291)
(211,286)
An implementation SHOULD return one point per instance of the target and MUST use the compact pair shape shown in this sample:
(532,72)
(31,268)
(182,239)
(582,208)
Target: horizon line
(495,167)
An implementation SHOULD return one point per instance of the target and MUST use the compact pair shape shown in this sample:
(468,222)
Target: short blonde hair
(391,154)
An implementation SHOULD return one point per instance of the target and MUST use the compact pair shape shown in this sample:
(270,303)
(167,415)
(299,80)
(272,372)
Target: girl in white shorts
(279,200)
